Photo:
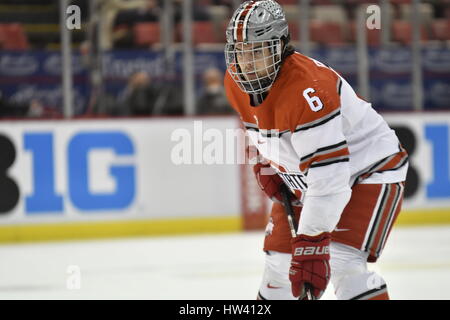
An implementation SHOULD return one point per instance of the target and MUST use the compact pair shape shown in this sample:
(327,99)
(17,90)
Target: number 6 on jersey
(314,102)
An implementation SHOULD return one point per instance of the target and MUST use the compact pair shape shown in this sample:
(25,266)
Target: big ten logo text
(73,17)
(374,19)
(90,185)
(436,136)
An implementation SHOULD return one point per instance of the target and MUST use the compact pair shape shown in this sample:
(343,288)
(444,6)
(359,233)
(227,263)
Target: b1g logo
(437,137)
(8,187)
(44,197)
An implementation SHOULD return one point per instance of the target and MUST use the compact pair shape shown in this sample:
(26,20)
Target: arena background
(108,128)
(122,168)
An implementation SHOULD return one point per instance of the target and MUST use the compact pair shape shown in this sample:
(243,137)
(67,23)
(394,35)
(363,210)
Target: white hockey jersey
(321,138)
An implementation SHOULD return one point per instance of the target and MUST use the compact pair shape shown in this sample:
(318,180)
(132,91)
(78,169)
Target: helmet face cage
(254,45)
(255,65)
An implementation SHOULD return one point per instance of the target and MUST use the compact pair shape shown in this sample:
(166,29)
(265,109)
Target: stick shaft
(285,193)
(289,210)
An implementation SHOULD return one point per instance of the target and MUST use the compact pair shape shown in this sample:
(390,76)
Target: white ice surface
(415,265)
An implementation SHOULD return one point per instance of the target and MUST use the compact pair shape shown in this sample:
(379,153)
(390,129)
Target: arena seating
(35,24)
(12,37)
(146,34)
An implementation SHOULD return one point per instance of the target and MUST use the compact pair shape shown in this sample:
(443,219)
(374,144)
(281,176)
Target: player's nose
(249,66)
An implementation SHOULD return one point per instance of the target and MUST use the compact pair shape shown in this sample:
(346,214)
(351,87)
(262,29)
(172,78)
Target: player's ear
(285,42)
(275,47)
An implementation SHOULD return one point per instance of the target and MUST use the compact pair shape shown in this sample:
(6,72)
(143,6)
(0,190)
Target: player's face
(255,60)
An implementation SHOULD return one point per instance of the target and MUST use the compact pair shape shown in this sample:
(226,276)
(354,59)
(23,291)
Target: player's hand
(270,182)
(310,264)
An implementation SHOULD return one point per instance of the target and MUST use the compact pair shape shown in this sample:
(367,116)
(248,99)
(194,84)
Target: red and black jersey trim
(266,133)
(371,293)
(339,86)
(332,161)
(329,148)
(325,156)
(391,163)
(319,121)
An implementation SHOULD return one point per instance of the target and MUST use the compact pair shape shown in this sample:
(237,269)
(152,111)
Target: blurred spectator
(103,104)
(170,100)
(123,36)
(228,3)
(33,109)
(108,10)
(441,9)
(148,12)
(139,96)
(213,99)
(200,13)
(123,24)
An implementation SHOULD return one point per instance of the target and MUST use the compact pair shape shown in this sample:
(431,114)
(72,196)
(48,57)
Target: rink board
(104,178)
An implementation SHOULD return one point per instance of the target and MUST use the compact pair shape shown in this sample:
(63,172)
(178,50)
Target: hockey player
(342,162)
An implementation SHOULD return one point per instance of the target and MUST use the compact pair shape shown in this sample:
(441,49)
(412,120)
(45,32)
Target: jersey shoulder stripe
(267,133)
(319,121)
(250,126)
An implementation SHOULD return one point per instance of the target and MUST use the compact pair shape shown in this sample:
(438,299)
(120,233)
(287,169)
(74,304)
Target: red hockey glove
(270,182)
(310,264)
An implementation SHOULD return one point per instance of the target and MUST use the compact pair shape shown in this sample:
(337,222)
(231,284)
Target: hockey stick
(285,193)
